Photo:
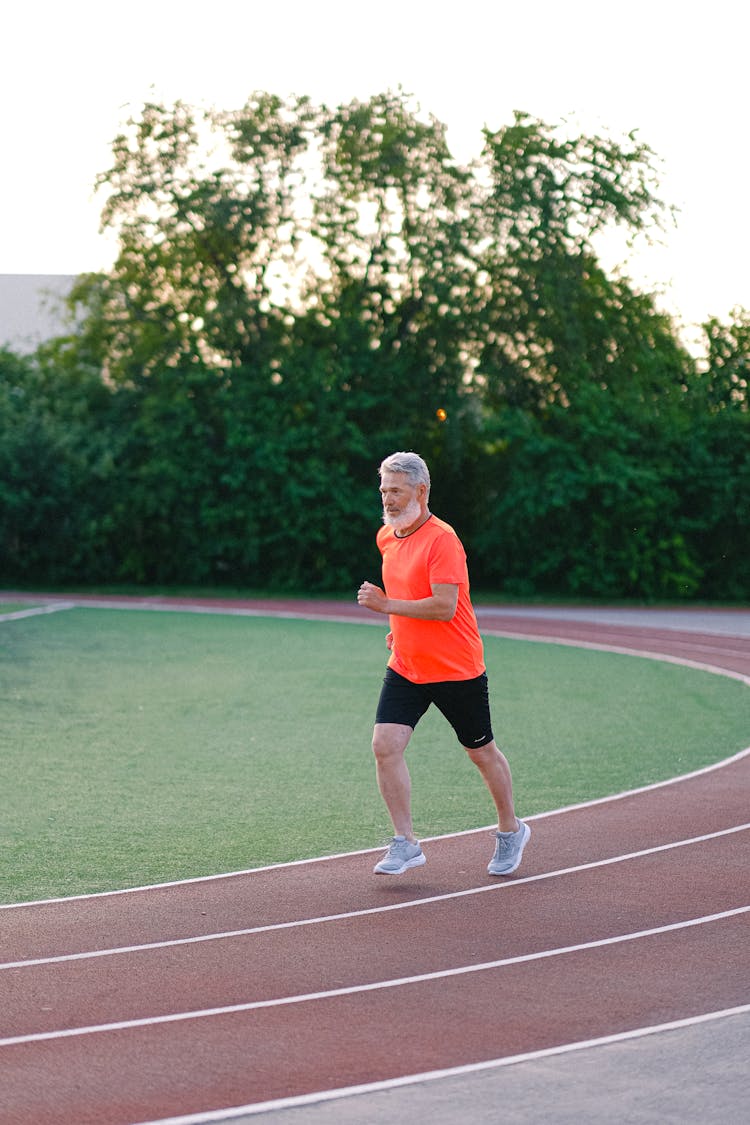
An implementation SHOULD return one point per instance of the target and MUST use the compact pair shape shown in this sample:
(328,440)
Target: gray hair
(411,465)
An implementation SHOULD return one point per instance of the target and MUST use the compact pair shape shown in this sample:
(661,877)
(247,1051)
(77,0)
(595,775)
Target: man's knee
(389,741)
(480,755)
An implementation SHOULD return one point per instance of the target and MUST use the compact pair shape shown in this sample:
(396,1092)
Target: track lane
(142,1074)
(679,810)
(236,1059)
(699,879)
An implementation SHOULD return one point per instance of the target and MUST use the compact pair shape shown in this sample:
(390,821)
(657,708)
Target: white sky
(675,70)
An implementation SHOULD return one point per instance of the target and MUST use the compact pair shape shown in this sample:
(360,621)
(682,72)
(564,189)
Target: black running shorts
(465,704)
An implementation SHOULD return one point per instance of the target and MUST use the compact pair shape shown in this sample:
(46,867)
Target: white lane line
(207,1118)
(314,921)
(371,851)
(36,611)
(229,611)
(622,650)
(376,986)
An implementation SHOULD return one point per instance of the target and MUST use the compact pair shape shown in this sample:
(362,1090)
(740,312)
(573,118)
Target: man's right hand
(372,597)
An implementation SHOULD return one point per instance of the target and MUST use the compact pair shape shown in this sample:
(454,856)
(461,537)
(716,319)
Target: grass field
(140,747)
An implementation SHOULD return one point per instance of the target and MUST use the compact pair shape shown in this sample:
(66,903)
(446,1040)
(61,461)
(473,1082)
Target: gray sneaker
(401,855)
(508,850)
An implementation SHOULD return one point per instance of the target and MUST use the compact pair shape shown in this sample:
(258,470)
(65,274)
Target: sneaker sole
(418,861)
(517,864)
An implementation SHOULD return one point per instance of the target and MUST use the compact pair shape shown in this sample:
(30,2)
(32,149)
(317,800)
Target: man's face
(402,501)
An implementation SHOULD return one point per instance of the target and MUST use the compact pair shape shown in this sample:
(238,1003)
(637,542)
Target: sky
(674,70)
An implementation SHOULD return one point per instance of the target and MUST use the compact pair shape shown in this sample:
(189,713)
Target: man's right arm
(440,606)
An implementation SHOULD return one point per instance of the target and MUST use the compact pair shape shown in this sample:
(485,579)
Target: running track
(273,985)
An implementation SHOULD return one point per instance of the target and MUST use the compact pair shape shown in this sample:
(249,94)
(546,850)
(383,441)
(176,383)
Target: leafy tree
(551,320)
(199,236)
(300,289)
(715,466)
(726,377)
(580,510)
(56,460)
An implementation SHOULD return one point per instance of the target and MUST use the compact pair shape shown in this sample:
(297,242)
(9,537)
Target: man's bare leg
(389,742)
(495,771)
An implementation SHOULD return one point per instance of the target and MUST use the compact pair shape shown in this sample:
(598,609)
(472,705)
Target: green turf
(140,747)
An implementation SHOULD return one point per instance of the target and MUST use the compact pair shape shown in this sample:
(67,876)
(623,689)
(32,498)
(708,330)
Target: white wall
(31,309)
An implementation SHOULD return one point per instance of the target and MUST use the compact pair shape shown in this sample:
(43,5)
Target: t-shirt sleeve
(447,561)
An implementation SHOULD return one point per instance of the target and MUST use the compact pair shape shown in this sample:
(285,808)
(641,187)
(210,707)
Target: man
(436,657)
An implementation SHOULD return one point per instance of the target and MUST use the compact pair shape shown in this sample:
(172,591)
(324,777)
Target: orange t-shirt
(430,651)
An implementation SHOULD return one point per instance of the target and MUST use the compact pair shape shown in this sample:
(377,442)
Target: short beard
(410,515)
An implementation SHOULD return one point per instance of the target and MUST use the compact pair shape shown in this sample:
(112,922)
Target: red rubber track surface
(290,980)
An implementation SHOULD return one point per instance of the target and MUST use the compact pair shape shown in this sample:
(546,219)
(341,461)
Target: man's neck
(414,527)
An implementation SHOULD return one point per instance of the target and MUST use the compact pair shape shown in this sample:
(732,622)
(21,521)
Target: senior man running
(436,657)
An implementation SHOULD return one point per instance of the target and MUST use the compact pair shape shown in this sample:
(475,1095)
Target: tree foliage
(299,290)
